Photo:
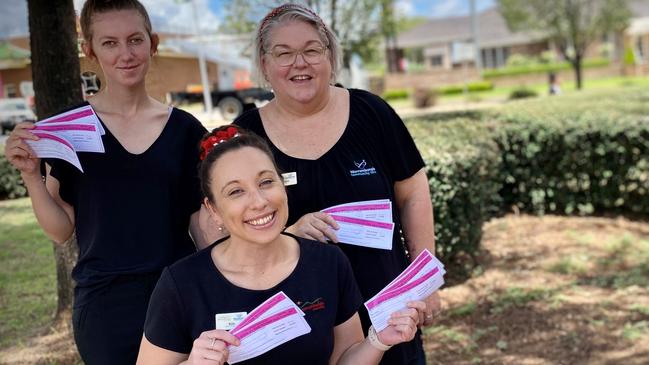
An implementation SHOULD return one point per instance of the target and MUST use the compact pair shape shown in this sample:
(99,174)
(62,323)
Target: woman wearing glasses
(339,146)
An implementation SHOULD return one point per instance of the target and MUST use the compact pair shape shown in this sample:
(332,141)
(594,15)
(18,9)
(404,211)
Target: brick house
(174,68)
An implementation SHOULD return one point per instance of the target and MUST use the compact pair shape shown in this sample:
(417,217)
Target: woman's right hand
(211,347)
(18,152)
(317,226)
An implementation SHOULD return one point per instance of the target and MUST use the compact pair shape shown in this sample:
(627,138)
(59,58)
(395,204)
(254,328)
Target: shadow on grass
(528,327)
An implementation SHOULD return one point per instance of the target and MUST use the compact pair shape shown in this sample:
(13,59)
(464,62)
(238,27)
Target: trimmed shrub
(463,180)
(471,87)
(395,94)
(575,162)
(583,154)
(423,97)
(522,93)
(11,184)
(542,68)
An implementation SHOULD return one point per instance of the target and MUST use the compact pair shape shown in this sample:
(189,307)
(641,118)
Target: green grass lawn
(27,274)
(567,88)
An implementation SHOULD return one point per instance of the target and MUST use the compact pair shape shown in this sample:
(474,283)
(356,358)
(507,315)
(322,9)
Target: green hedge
(587,154)
(463,180)
(542,68)
(576,162)
(522,93)
(471,87)
(11,185)
(396,94)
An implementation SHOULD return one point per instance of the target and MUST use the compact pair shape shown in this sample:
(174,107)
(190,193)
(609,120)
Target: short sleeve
(349,296)
(402,156)
(165,325)
(64,173)
(194,195)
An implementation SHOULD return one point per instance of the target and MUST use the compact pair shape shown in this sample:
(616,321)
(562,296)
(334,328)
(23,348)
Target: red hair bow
(215,138)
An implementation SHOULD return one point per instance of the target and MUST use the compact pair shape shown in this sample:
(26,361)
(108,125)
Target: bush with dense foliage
(541,68)
(11,185)
(522,93)
(575,156)
(395,94)
(470,87)
(462,168)
(583,154)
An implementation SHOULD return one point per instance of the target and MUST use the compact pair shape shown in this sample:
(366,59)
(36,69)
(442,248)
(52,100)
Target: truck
(231,103)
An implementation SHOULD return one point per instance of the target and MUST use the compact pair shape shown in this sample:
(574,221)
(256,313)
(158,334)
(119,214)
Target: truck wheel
(230,107)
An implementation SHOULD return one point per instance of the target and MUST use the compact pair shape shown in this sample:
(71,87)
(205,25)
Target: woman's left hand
(433,310)
(402,325)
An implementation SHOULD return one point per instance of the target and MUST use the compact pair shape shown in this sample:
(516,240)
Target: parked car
(14,111)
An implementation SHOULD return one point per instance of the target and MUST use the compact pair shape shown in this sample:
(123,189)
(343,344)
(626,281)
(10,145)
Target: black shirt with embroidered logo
(192,291)
(374,151)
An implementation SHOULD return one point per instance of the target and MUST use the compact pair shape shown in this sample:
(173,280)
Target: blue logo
(362,169)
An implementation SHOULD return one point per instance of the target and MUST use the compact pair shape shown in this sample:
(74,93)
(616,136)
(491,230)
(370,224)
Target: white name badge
(227,321)
(290,178)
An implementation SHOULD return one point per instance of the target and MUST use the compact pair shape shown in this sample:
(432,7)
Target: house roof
(10,52)
(493,30)
(492,27)
(639,8)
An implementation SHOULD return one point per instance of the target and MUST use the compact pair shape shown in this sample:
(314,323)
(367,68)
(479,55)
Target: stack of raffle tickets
(272,323)
(366,223)
(419,280)
(65,134)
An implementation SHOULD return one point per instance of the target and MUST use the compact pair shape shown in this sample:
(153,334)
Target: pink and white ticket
(419,280)
(52,146)
(364,223)
(65,134)
(274,322)
(84,114)
(83,136)
(377,210)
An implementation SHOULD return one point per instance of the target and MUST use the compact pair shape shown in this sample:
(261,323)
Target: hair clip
(280,9)
(216,137)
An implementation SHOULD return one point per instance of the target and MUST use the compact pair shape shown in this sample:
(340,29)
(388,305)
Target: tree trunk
(334,10)
(57,85)
(576,65)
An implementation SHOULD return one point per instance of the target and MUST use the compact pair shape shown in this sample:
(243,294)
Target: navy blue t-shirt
(132,210)
(374,151)
(192,291)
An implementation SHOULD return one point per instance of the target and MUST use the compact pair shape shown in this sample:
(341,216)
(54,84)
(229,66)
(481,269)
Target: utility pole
(207,95)
(475,37)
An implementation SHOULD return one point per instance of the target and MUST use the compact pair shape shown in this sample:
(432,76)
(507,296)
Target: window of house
(11,91)
(436,61)
(494,57)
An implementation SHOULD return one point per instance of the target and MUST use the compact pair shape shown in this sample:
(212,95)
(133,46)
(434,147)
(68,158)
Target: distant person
(257,260)
(338,146)
(134,206)
(553,81)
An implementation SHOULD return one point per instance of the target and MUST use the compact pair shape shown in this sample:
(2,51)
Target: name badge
(227,321)
(290,178)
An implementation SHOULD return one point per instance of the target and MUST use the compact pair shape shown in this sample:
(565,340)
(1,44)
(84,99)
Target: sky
(177,16)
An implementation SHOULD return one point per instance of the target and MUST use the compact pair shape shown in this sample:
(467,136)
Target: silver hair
(289,13)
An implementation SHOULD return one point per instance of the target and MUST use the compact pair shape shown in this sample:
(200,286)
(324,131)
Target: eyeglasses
(312,55)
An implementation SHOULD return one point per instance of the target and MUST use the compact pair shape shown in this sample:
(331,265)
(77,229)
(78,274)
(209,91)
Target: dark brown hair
(243,138)
(92,7)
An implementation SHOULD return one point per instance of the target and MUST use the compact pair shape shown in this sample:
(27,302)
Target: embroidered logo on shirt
(362,169)
(313,305)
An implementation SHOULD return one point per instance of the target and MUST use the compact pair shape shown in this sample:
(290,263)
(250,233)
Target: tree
(355,22)
(572,25)
(57,85)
